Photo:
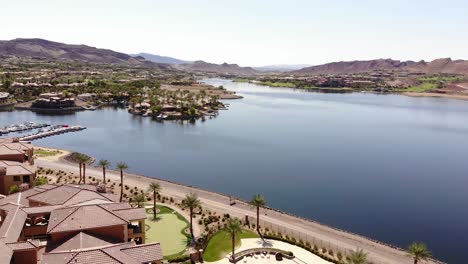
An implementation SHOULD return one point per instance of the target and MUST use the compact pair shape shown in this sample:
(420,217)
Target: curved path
(378,253)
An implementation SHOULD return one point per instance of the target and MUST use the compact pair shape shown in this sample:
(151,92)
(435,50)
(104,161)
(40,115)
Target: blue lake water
(390,167)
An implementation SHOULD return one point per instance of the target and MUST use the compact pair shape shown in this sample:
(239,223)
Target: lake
(389,167)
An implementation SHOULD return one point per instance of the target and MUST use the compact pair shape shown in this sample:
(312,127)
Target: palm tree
(82,159)
(233,227)
(121,166)
(419,251)
(138,199)
(358,257)
(104,164)
(155,188)
(191,202)
(258,201)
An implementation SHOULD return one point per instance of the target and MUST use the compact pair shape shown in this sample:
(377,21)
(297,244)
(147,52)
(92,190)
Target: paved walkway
(302,256)
(378,253)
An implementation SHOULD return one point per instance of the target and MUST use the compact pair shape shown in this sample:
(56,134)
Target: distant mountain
(225,68)
(160,59)
(55,50)
(344,67)
(281,67)
(347,67)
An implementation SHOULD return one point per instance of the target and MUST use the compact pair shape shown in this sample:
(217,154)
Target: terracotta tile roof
(145,253)
(68,195)
(24,245)
(17,168)
(116,206)
(12,225)
(81,241)
(82,218)
(132,214)
(6,253)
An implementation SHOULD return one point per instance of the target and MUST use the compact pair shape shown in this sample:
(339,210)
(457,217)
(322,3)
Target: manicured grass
(424,87)
(168,229)
(220,244)
(241,80)
(45,153)
(278,84)
(441,79)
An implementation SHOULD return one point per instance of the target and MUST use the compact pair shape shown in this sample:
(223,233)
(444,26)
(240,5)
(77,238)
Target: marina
(55,130)
(22,127)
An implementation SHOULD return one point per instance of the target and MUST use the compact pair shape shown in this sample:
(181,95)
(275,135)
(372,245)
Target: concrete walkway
(302,256)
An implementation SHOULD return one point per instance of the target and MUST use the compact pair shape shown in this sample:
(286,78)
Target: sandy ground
(301,255)
(438,95)
(334,238)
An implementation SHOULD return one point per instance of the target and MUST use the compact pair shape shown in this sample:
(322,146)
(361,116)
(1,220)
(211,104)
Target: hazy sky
(249,32)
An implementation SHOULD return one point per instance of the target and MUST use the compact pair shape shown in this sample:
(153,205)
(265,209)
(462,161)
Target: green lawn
(168,229)
(424,87)
(220,244)
(241,80)
(278,84)
(44,153)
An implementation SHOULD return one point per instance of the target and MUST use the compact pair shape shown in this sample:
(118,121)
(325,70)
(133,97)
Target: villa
(72,224)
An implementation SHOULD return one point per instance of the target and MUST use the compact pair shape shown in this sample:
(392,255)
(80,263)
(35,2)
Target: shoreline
(338,239)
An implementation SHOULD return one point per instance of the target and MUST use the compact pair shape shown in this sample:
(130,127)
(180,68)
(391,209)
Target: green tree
(155,188)
(104,164)
(358,257)
(258,201)
(191,202)
(138,199)
(419,251)
(122,166)
(40,181)
(233,228)
(14,189)
(82,160)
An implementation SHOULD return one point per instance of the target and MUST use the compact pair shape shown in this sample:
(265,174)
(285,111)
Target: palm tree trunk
(233,245)
(258,219)
(191,223)
(84,173)
(104,174)
(154,205)
(415,260)
(121,185)
(80,172)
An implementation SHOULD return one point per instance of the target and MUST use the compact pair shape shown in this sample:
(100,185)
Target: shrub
(179,259)
(14,189)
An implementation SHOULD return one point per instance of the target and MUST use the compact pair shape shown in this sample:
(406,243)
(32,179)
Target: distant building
(54,103)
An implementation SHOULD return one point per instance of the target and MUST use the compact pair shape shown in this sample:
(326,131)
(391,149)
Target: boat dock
(56,130)
(21,127)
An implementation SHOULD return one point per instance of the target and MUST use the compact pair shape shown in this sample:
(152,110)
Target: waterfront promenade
(307,230)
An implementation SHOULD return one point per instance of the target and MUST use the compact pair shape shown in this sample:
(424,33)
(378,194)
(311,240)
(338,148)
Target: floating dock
(57,130)
(21,127)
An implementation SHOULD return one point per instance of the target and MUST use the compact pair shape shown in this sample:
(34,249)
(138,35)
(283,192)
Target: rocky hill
(225,68)
(60,51)
(344,67)
(160,59)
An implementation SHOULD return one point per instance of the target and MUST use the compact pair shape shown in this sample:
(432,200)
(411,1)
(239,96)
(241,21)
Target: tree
(121,166)
(104,164)
(82,159)
(138,199)
(419,251)
(191,202)
(40,181)
(14,189)
(233,227)
(358,257)
(155,188)
(258,201)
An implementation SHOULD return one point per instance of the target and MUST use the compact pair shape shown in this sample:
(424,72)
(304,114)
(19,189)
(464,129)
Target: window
(26,178)
(16,178)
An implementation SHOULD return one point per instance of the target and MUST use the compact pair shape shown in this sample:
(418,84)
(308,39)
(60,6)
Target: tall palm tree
(138,199)
(191,202)
(82,159)
(121,166)
(258,201)
(233,227)
(358,257)
(155,188)
(104,164)
(419,251)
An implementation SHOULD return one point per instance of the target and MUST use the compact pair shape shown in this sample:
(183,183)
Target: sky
(249,32)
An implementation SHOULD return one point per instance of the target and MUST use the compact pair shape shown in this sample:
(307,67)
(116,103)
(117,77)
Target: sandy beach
(438,95)
(333,238)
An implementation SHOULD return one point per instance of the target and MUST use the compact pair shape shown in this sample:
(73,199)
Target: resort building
(16,165)
(72,224)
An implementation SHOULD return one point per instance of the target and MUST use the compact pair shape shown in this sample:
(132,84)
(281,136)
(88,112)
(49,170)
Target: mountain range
(60,51)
